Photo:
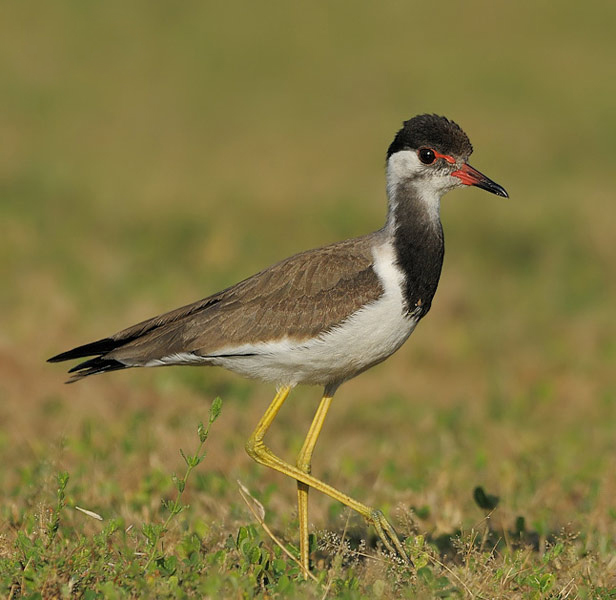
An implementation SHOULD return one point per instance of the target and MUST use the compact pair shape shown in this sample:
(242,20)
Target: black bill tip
(493,187)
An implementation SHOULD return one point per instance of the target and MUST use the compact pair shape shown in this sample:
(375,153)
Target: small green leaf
(63,478)
(179,482)
(426,574)
(202,431)
(152,532)
(215,409)
(279,566)
(255,555)
(546,582)
(284,583)
(242,534)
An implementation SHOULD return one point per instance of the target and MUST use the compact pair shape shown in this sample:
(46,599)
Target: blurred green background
(153,153)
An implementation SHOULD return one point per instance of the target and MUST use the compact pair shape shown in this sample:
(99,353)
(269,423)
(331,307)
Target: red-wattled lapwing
(323,316)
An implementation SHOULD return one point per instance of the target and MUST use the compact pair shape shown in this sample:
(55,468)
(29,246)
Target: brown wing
(298,298)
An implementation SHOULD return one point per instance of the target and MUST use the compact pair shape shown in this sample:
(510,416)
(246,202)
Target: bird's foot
(388,535)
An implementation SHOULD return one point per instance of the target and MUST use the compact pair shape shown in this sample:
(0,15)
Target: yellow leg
(303,463)
(263,455)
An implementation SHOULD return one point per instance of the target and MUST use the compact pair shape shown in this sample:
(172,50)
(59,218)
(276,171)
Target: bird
(320,317)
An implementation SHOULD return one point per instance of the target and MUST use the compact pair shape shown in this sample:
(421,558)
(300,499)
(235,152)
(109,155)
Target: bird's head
(430,153)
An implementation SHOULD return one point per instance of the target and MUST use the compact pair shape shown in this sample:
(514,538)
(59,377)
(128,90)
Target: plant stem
(154,534)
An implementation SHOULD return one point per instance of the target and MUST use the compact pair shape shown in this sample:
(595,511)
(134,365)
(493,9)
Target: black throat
(419,245)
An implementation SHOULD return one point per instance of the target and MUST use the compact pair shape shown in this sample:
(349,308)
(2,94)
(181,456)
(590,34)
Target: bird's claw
(388,536)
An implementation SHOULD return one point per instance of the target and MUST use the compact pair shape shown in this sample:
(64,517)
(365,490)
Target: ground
(154,154)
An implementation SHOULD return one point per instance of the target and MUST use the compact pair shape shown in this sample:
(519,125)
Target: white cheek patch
(402,166)
(405,167)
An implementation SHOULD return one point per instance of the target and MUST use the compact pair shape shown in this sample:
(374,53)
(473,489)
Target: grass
(153,154)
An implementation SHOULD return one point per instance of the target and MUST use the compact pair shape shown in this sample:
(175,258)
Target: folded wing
(298,298)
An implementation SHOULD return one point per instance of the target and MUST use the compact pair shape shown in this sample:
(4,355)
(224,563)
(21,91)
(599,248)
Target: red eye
(426,155)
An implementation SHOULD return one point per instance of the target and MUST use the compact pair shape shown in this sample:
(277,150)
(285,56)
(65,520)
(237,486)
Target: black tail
(92,366)
(99,347)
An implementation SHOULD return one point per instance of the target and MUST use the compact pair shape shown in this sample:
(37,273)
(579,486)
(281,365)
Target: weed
(154,532)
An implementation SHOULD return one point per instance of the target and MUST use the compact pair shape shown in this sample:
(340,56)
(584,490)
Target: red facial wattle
(450,159)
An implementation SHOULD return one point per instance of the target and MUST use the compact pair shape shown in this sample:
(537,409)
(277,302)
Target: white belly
(365,339)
